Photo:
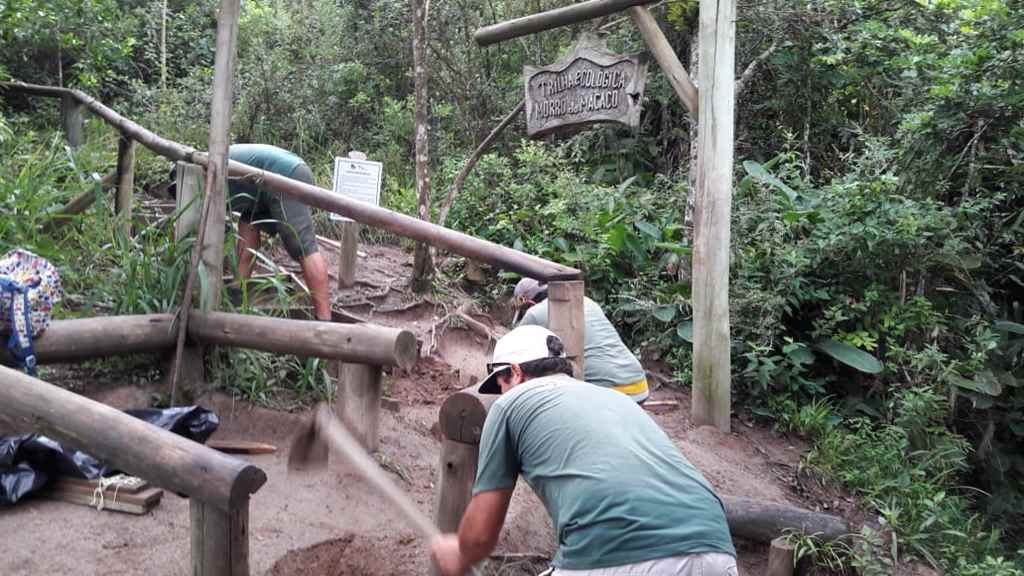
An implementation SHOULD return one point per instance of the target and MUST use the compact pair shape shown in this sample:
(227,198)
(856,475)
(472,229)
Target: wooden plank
(666,57)
(572,14)
(125,183)
(72,119)
(220,540)
(70,482)
(358,401)
(148,497)
(712,395)
(241,447)
(362,343)
(348,253)
(122,503)
(565,318)
(129,444)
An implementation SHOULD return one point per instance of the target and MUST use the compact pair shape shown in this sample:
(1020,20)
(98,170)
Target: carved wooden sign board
(591,85)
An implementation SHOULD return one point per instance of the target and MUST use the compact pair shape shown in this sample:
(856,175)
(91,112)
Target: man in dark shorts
(265,211)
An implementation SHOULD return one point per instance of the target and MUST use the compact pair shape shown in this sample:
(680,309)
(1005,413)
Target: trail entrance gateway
(592,85)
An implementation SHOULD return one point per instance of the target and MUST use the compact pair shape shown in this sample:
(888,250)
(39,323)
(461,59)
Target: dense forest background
(877,255)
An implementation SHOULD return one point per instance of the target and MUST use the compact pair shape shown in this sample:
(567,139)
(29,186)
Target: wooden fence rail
(401,224)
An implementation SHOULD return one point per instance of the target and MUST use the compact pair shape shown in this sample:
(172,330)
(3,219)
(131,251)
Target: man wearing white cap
(607,361)
(622,498)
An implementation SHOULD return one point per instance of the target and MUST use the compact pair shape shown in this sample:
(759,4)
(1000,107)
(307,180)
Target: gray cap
(529,289)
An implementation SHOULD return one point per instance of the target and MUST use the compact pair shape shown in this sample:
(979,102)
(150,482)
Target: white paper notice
(358,180)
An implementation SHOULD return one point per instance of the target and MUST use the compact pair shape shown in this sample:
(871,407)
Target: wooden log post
(712,395)
(461,421)
(780,558)
(220,539)
(88,338)
(72,119)
(566,319)
(188,202)
(348,256)
(358,401)
(125,183)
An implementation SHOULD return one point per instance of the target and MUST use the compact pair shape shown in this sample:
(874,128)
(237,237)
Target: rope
(117,481)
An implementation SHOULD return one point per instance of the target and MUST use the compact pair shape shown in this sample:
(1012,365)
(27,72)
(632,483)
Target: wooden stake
(348,256)
(566,319)
(71,119)
(125,183)
(457,472)
(188,202)
(780,558)
(358,401)
(220,540)
(711,359)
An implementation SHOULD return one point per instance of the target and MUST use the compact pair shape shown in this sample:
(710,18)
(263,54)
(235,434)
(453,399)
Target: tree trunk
(423,264)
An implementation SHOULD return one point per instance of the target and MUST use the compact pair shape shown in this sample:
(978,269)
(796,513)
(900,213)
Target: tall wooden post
(71,120)
(711,358)
(358,401)
(125,183)
(216,173)
(565,318)
(220,539)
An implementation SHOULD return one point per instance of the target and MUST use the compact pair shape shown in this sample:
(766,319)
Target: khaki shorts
(704,564)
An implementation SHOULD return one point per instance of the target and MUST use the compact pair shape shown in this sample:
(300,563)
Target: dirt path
(330,523)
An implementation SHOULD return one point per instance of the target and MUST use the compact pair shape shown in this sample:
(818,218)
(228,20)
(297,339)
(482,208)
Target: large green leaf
(759,173)
(985,382)
(665,313)
(851,356)
(685,331)
(1008,326)
(649,229)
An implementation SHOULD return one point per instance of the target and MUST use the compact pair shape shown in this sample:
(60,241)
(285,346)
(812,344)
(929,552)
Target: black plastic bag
(27,462)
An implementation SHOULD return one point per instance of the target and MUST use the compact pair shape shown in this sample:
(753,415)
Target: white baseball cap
(522,344)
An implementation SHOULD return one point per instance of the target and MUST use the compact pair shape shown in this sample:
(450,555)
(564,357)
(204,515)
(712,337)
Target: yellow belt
(638,387)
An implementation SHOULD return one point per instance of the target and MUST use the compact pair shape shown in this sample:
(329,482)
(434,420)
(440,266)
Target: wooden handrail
(129,444)
(401,224)
(355,343)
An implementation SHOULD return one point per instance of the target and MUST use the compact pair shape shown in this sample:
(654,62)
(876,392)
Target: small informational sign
(358,179)
(591,85)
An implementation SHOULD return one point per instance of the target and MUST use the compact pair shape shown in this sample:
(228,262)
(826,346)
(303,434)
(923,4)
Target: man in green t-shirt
(622,498)
(607,361)
(264,211)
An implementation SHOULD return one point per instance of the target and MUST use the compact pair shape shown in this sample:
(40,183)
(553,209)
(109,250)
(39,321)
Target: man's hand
(445,553)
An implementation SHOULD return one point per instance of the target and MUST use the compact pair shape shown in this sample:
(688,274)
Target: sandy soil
(330,523)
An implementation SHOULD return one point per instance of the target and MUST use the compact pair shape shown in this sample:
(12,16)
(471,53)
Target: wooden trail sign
(591,85)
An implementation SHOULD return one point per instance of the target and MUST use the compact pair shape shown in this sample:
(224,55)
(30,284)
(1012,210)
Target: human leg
(248,241)
(314,270)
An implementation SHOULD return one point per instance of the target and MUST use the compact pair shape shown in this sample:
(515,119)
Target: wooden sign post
(360,179)
(715,106)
